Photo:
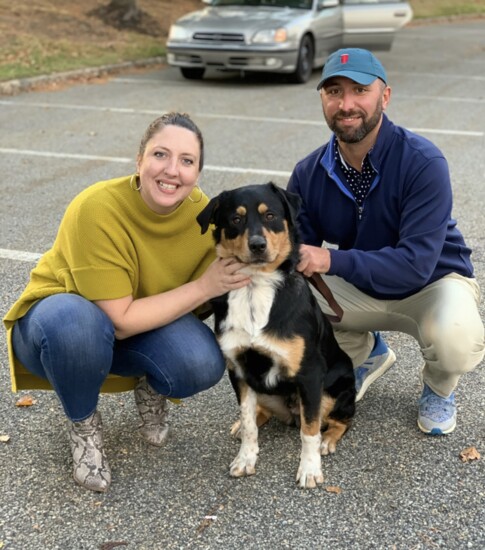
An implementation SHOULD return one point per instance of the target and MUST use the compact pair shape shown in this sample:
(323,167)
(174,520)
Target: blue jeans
(70,341)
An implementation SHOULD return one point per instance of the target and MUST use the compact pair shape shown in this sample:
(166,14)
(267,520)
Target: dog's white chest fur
(248,314)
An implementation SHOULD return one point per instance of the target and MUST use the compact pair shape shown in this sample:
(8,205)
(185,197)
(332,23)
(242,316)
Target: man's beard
(354,135)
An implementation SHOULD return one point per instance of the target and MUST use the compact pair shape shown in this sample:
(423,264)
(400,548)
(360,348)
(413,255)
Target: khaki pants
(443,318)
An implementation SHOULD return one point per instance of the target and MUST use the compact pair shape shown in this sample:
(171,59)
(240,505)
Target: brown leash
(317,281)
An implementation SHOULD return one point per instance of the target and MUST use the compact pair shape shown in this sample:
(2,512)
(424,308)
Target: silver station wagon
(280,36)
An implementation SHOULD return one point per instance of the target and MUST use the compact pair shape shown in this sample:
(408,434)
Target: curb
(12,87)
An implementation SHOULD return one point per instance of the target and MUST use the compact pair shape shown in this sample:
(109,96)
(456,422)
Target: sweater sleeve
(99,262)
(400,269)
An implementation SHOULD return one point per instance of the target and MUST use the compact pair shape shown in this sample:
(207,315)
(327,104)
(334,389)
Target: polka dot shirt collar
(358,182)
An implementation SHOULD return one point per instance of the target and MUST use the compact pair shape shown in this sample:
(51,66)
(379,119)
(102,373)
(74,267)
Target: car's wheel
(304,67)
(192,73)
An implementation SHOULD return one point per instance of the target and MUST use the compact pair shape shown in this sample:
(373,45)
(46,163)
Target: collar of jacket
(382,143)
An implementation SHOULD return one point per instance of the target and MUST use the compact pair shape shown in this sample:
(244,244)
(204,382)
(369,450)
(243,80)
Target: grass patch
(30,56)
(446,8)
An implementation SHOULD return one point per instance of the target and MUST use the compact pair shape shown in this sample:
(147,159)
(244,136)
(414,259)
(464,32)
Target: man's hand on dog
(222,276)
(313,259)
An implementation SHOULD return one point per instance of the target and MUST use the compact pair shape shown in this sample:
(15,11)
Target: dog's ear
(209,214)
(292,202)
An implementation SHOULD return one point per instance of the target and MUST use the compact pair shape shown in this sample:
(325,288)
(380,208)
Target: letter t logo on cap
(344,58)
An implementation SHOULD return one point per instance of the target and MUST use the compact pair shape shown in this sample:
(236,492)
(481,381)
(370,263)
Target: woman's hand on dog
(313,259)
(222,276)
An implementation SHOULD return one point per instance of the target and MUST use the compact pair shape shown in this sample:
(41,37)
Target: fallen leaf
(4,438)
(203,525)
(25,401)
(114,544)
(470,453)
(331,489)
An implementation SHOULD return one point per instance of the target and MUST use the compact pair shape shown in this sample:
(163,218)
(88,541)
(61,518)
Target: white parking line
(433,76)
(52,154)
(19,255)
(156,112)
(125,160)
(243,118)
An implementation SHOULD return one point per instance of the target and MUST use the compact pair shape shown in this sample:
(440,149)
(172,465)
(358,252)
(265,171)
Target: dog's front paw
(244,464)
(309,473)
(309,476)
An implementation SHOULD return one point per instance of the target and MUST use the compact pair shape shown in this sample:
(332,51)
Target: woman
(116,294)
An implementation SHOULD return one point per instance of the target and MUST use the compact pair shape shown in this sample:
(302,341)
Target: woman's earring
(199,197)
(135,178)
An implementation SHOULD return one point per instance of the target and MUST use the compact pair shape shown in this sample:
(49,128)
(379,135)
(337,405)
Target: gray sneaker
(379,361)
(437,415)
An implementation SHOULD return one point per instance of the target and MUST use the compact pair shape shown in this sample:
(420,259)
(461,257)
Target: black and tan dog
(282,356)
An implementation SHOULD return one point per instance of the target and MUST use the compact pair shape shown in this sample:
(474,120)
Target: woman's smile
(164,186)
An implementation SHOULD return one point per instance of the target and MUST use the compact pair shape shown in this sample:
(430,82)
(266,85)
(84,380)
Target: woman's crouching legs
(69,341)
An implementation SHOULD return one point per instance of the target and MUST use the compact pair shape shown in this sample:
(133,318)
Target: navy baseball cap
(359,65)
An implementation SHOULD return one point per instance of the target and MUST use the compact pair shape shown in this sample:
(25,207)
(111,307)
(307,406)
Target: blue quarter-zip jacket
(403,238)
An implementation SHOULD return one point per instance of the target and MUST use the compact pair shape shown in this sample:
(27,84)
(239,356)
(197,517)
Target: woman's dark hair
(172,119)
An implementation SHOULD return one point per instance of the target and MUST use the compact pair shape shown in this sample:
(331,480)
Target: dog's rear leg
(335,428)
(245,462)
(266,407)
(309,473)
(262,416)
(332,435)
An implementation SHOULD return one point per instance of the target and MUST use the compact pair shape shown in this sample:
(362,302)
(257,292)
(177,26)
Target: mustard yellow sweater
(110,245)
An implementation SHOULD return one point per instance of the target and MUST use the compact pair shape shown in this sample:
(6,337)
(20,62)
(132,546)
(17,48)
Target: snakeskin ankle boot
(91,468)
(153,409)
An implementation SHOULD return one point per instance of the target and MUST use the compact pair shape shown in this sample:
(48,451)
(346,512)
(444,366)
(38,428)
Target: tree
(125,14)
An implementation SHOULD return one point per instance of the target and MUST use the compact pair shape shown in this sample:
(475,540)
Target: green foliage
(446,8)
(29,56)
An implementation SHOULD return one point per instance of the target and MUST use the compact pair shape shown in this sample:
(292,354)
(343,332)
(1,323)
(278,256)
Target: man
(381,196)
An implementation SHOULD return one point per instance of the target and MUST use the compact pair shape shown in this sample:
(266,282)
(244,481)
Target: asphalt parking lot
(388,486)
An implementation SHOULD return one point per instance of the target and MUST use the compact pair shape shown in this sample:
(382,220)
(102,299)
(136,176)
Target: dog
(282,356)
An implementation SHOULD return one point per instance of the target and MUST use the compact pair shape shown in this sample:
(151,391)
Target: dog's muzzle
(258,246)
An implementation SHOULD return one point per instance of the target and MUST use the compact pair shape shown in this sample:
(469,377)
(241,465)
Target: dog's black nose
(257,244)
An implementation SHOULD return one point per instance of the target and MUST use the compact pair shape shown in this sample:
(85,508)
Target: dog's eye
(236,220)
(269,216)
